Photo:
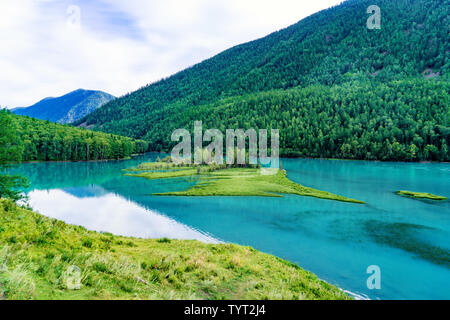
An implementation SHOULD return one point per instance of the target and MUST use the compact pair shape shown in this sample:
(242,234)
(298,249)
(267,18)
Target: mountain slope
(67,108)
(405,120)
(332,48)
(45,141)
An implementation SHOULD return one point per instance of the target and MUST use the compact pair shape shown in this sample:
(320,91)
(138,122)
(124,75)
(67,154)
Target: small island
(223,180)
(420,195)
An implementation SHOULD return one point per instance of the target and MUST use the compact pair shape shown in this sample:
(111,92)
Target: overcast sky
(120,45)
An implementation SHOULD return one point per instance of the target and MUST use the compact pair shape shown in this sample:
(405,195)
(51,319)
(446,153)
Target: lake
(409,240)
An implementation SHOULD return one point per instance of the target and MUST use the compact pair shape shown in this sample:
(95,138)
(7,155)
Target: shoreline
(281,157)
(77,161)
(334,159)
(215,241)
(153,268)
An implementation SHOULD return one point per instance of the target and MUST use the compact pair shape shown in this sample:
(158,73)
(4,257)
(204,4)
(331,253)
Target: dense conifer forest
(34,139)
(400,120)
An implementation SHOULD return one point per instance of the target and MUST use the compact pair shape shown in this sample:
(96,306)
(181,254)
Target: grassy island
(36,253)
(420,195)
(219,180)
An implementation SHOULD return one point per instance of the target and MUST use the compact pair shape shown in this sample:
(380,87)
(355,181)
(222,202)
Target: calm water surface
(408,239)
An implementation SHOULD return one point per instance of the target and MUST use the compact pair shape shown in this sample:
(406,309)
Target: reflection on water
(110,213)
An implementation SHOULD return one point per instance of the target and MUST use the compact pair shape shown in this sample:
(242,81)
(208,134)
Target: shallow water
(408,239)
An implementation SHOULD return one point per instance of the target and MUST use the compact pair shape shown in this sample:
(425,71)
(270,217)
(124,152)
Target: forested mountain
(333,87)
(47,141)
(67,108)
(399,120)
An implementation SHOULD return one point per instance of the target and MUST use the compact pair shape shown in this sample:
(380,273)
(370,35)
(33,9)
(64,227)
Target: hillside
(67,108)
(46,141)
(400,120)
(37,255)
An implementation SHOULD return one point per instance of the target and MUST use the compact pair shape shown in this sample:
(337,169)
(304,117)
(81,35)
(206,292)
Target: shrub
(87,243)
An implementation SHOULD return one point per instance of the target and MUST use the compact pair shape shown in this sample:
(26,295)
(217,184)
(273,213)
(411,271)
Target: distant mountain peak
(67,108)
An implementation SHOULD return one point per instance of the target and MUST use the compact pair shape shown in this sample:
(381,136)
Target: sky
(51,47)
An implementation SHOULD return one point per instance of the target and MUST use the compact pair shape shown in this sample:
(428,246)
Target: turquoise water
(408,239)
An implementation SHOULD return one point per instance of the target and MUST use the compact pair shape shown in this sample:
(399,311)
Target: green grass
(235,182)
(149,166)
(37,253)
(420,195)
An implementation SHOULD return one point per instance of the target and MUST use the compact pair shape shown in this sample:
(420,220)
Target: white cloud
(111,213)
(123,45)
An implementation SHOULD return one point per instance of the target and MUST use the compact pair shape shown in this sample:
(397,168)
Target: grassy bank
(420,195)
(36,253)
(232,182)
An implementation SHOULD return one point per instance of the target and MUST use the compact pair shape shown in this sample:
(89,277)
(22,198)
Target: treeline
(46,141)
(405,120)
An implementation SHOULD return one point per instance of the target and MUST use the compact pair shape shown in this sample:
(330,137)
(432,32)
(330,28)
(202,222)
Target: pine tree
(10,150)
